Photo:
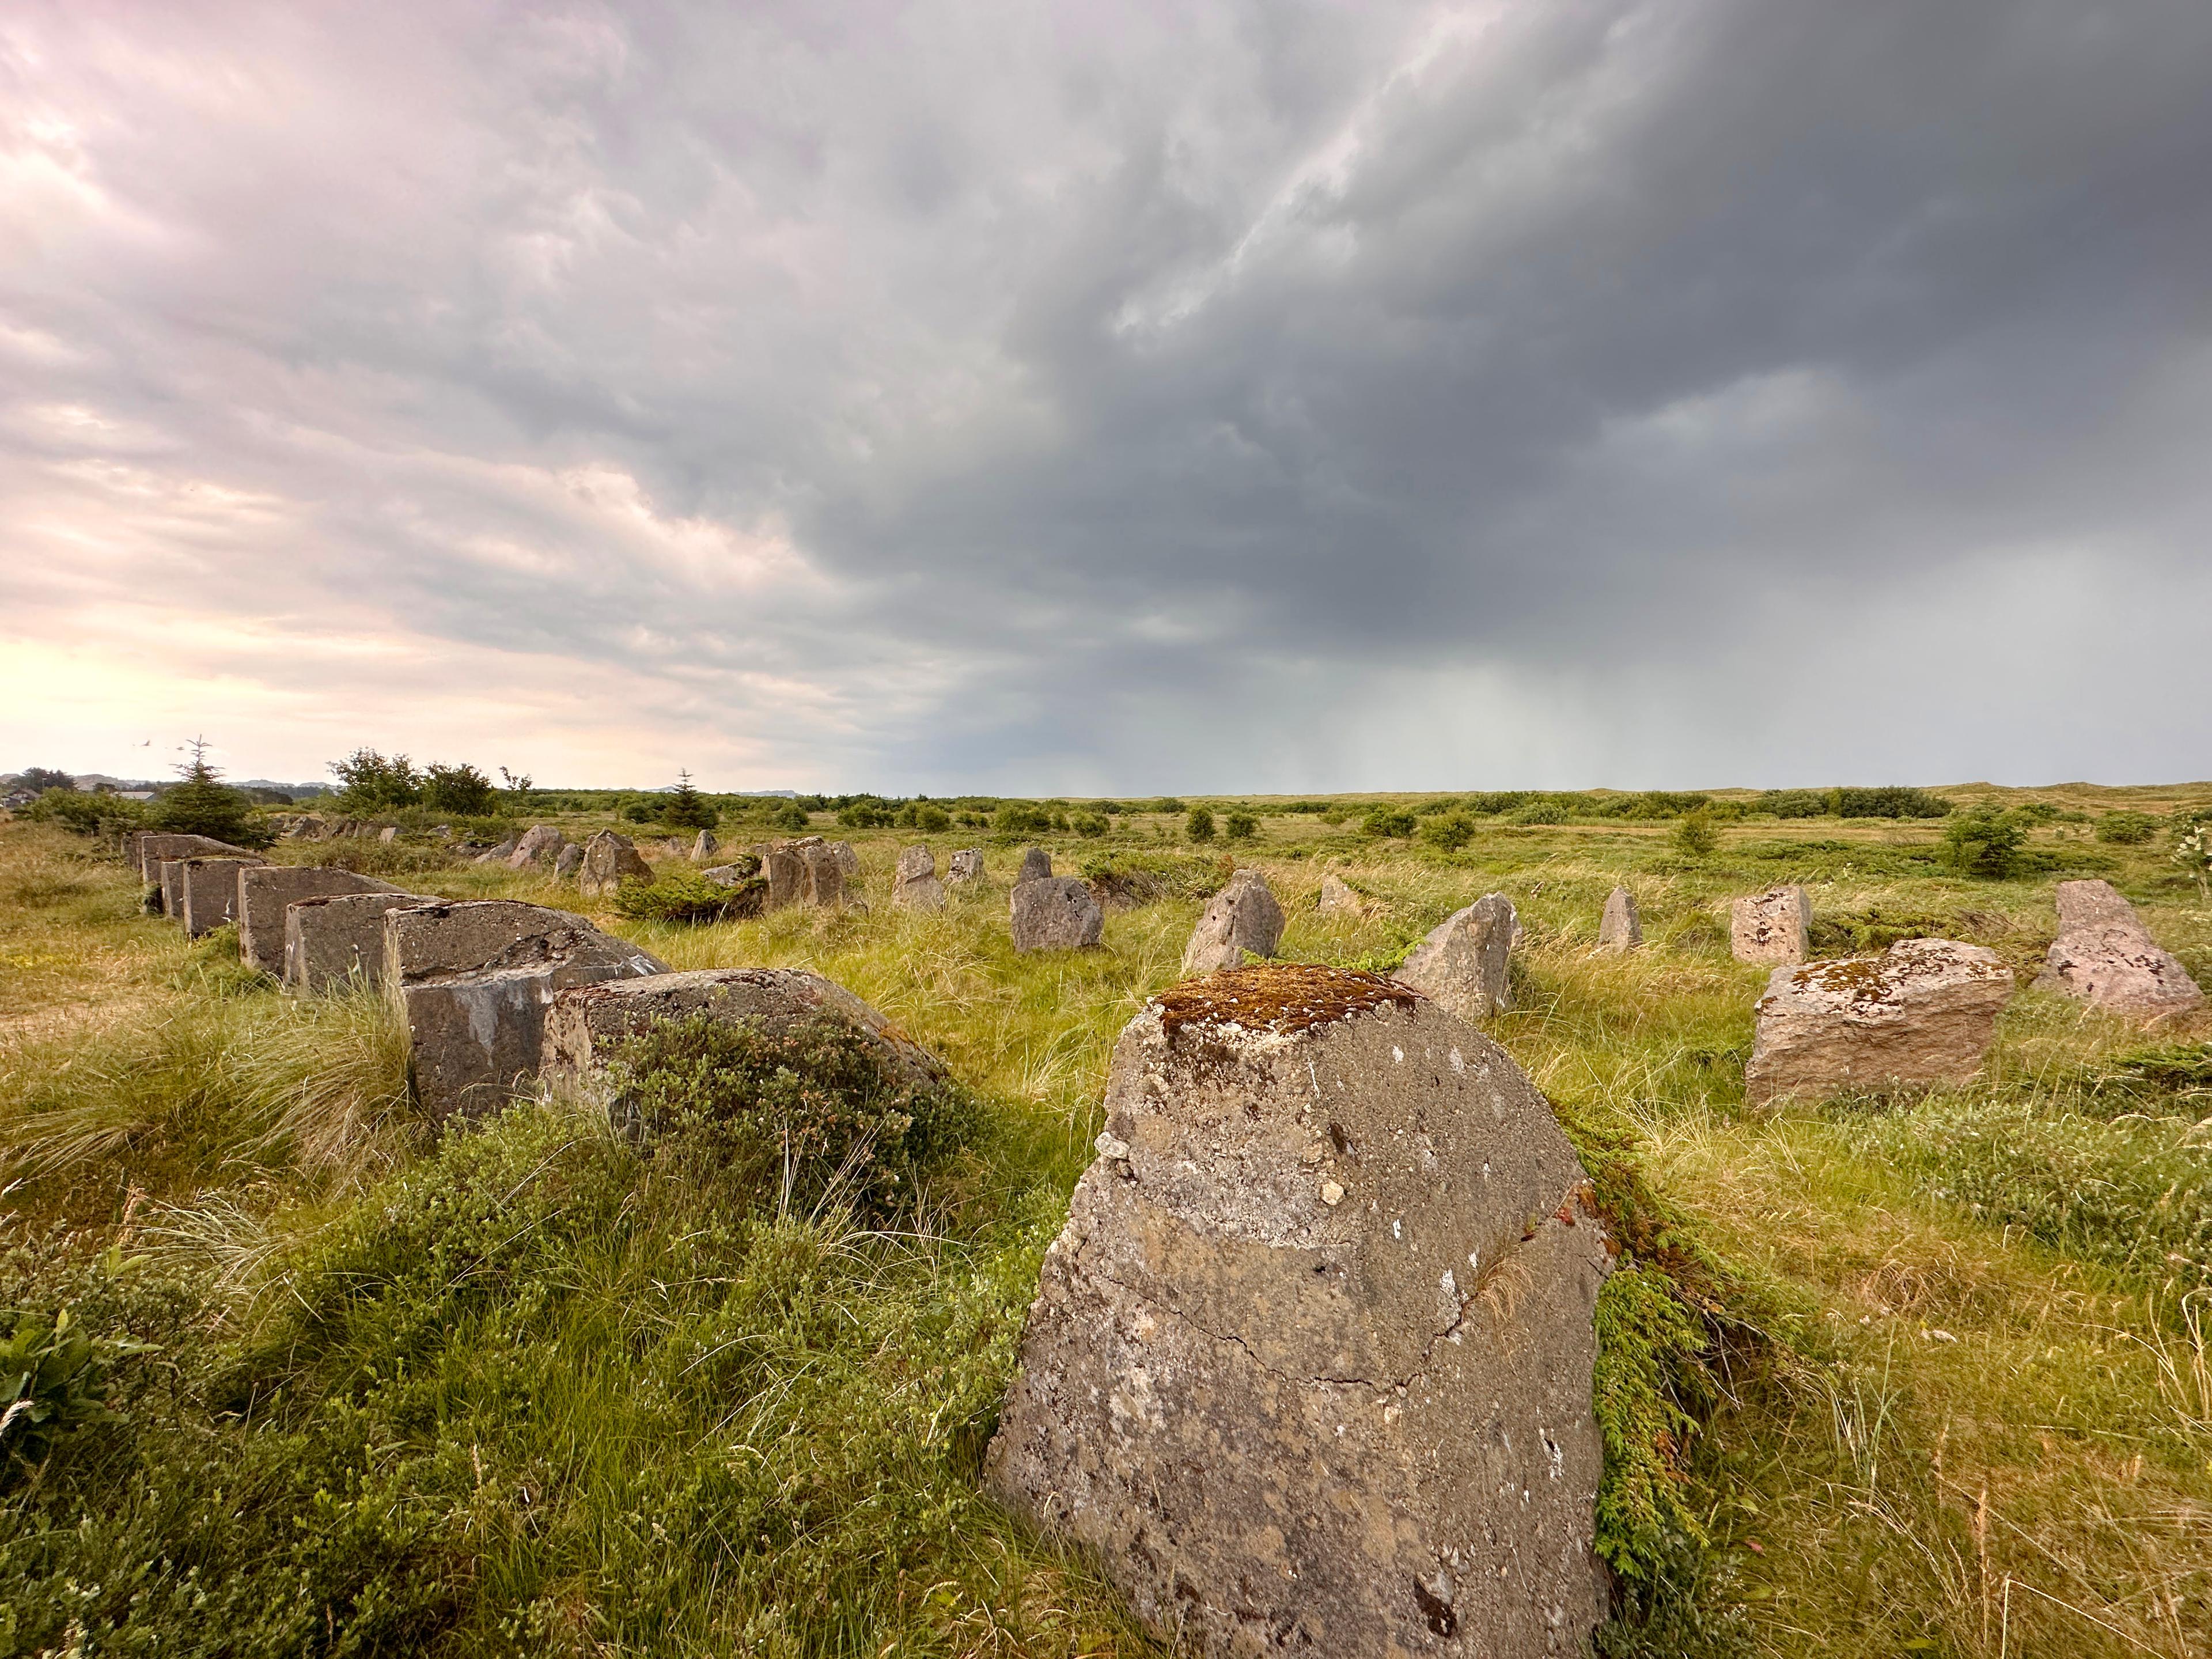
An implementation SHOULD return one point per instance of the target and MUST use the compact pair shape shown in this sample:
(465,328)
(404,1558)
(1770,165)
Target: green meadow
(1930,1374)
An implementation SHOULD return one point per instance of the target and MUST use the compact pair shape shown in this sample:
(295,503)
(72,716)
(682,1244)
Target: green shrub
(789,816)
(687,895)
(1984,842)
(369,782)
(1166,803)
(1199,826)
(1792,803)
(811,1113)
(2126,829)
(1451,832)
(461,790)
(1893,801)
(1388,823)
(1539,811)
(1018,817)
(931,819)
(93,813)
(2192,851)
(1090,824)
(868,814)
(1695,836)
(1242,826)
(1491,804)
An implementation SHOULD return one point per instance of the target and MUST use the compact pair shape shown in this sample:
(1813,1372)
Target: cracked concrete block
(1775,925)
(1924,1012)
(1309,1366)
(824,875)
(1241,917)
(1054,913)
(208,890)
(967,866)
(338,940)
(2105,957)
(1464,961)
(477,978)
(1036,866)
(267,891)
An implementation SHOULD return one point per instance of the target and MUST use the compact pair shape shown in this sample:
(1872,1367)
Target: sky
(1114,398)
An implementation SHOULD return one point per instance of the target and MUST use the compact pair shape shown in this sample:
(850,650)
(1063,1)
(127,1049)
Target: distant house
(16,799)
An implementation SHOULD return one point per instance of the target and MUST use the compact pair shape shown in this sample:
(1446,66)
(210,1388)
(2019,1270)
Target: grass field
(524,1391)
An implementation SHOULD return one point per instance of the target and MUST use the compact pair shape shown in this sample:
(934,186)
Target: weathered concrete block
(848,860)
(1242,917)
(477,979)
(1309,1366)
(567,862)
(585,1023)
(1464,961)
(210,890)
(1621,928)
(1924,1012)
(2105,957)
(1055,913)
(331,943)
(967,866)
(266,891)
(1775,925)
(1338,898)
(785,871)
(825,876)
(1036,866)
(609,859)
(540,844)
(917,887)
(705,847)
(150,848)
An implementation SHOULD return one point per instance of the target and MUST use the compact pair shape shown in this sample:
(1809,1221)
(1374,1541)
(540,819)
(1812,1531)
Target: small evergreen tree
(202,804)
(1199,826)
(687,809)
(1984,842)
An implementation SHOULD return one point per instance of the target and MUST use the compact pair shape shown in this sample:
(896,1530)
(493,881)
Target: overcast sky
(1111,398)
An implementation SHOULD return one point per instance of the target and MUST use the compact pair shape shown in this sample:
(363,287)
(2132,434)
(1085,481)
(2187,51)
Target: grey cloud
(1278,395)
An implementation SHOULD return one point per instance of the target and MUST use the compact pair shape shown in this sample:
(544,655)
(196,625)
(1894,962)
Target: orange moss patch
(1278,997)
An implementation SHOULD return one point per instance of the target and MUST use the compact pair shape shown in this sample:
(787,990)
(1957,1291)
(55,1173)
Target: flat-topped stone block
(266,891)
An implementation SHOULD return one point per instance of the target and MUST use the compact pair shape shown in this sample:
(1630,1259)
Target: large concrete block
(1310,1365)
(266,891)
(477,979)
(1054,913)
(1465,961)
(1241,917)
(1775,925)
(1924,1012)
(587,1023)
(332,943)
(208,889)
(2104,956)
(150,847)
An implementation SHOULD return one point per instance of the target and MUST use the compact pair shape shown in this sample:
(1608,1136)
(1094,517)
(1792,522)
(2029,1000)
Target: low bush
(1894,801)
(1094,825)
(1695,836)
(687,896)
(2126,829)
(1199,826)
(1450,832)
(1792,803)
(1387,823)
(1984,842)
(799,1117)
(1539,811)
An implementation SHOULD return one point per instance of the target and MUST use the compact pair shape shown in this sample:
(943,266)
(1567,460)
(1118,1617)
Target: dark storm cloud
(1118,399)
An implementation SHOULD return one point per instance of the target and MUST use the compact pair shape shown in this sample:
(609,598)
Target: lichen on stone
(1278,997)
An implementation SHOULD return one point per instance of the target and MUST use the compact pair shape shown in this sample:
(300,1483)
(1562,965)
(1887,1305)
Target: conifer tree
(687,808)
(202,804)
